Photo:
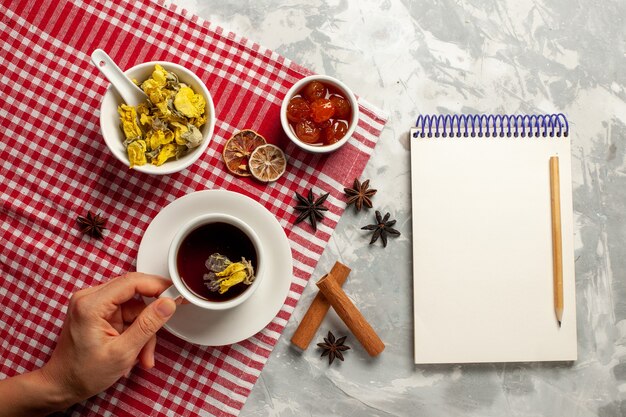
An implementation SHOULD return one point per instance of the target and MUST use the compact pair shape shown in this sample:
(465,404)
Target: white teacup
(181,288)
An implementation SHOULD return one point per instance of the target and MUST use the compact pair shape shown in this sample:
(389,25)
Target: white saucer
(216,328)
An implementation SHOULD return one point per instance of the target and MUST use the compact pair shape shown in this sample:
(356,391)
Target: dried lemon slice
(238,149)
(267,163)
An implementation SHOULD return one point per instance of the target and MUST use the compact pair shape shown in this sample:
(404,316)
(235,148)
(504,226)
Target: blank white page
(482,250)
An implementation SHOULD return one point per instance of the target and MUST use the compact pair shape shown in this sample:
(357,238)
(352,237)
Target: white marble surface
(410,57)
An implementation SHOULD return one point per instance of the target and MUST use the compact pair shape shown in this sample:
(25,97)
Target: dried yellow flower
(189,103)
(128,118)
(136,153)
(167,125)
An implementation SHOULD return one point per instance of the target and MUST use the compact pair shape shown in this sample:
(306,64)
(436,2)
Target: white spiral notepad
(482,246)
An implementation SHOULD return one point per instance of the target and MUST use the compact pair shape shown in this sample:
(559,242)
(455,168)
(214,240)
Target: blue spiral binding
(482,125)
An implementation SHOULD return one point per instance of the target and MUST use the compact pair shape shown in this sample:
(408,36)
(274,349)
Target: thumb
(148,322)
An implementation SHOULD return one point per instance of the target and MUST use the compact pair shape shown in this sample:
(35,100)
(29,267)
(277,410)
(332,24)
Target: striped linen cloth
(54,167)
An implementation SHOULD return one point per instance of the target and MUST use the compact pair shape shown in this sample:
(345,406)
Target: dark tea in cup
(215,261)
(203,241)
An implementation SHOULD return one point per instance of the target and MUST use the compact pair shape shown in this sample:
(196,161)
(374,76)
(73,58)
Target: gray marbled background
(411,57)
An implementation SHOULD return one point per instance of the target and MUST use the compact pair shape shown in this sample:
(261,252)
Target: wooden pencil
(557,249)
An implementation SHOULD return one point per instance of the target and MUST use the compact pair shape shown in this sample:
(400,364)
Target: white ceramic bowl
(110,122)
(179,287)
(348,94)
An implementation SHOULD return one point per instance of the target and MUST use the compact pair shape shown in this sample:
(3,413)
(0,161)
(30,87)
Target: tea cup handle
(172,292)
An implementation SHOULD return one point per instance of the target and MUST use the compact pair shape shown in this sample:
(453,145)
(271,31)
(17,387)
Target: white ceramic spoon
(131,94)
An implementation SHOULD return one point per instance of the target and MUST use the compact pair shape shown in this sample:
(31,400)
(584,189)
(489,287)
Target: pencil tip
(559,323)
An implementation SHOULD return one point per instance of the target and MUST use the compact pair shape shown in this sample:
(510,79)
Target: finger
(95,288)
(88,290)
(146,355)
(151,319)
(122,289)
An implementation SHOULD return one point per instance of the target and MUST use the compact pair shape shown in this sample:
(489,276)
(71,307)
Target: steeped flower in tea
(223,274)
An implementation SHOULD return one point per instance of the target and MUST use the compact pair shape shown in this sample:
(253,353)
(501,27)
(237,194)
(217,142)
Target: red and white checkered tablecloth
(54,167)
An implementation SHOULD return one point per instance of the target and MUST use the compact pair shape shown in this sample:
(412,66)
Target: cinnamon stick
(317,310)
(351,316)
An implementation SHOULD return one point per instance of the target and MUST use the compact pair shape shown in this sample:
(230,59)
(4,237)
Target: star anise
(382,228)
(311,208)
(333,347)
(92,225)
(360,194)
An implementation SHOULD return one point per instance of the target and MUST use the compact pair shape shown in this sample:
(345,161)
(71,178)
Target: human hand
(106,332)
